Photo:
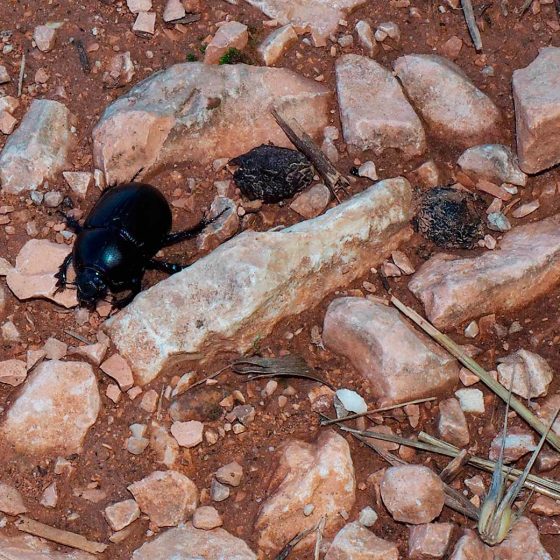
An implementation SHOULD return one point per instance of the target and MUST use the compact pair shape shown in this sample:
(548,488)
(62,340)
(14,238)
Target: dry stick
(455,466)
(375,410)
(21,75)
(428,443)
(304,143)
(544,486)
(471,24)
(59,536)
(524,8)
(285,552)
(320,529)
(78,337)
(204,380)
(479,371)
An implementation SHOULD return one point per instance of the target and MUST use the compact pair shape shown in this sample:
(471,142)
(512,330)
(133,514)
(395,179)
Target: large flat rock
(400,363)
(536,92)
(374,112)
(319,17)
(525,266)
(26,547)
(59,403)
(201,112)
(455,110)
(236,294)
(38,149)
(188,543)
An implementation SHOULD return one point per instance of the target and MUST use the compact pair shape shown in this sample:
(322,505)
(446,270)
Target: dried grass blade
(471,24)
(480,372)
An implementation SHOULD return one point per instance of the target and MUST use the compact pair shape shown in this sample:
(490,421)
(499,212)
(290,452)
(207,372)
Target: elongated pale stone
(526,266)
(235,296)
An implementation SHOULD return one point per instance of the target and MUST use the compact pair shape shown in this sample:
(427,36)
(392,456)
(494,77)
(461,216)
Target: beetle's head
(91,287)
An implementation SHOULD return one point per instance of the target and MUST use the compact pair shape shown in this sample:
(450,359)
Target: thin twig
(468,12)
(21,75)
(375,411)
(524,8)
(79,337)
(304,143)
(205,379)
(285,552)
(454,467)
(82,55)
(479,371)
(59,536)
(320,529)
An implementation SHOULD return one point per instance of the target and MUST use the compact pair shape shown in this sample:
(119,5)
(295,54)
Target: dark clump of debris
(450,218)
(272,174)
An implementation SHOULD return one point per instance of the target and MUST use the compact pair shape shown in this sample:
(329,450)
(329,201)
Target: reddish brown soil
(509,44)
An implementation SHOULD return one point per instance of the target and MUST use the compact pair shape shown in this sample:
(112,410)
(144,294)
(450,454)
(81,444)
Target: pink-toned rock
(206,517)
(95,352)
(321,474)
(225,227)
(427,175)
(8,103)
(429,541)
(113,392)
(44,37)
(470,547)
(312,202)
(168,498)
(547,409)
(518,443)
(149,401)
(530,373)
(189,543)
(165,447)
(412,494)
(13,372)
(230,35)
(188,434)
(11,501)
(38,149)
(207,116)
(374,112)
(452,424)
(239,291)
(355,542)
(59,403)
(26,547)
(454,290)
(117,368)
(4,76)
(78,181)
(7,123)
(366,38)
(230,474)
(492,162)
(522,543)
(400,363)
(455,110)
(55,349)
(122,514)
(137,6)
(145,23)
(452,47)
(546,506)
(277,43)
(536,92)
(174,10)
(120,71)
(320,17)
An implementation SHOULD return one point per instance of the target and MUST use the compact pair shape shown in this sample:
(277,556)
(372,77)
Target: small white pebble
(472,330)
(471,400)
(308,510)
(367,517)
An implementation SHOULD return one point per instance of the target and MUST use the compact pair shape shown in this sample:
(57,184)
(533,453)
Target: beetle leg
(178,236)
(135,289)
(62,273)
(163,266)
(72,223)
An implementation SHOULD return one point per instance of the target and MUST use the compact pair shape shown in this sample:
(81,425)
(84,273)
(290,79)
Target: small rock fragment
(78,181)
(13,372)
(218,491)
(145,23)
(526,209)
(11,501)
(44,37)
(472,400)
(498,222)
(230,474)
(50,496)
(4,76)
(546,506)
(312,202)
(452,47)
(120,71)
(429,541)
(350,401)
(367,517)
(452,424)
(355,542)
(403,262)
(174,10)
(224,227)
(149,401)
(117,368)
(137,6)
(168,498)
(530,373)
(206,517)
(368,170)
(427,175)
(55,349)
(122,514)
(518,443)
(231,35)
(277,43)
(412,494)
(7,123)
(366,38)
(188,434)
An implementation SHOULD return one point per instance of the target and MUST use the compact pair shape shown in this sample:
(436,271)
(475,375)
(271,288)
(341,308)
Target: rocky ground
(103,433)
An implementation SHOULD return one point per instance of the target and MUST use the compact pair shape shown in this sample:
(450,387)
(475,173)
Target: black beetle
(121,234)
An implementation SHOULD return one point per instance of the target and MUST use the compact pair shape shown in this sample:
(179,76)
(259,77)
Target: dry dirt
(509,44)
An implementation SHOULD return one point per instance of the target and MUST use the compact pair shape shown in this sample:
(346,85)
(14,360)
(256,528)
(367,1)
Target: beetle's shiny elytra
(117,242)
